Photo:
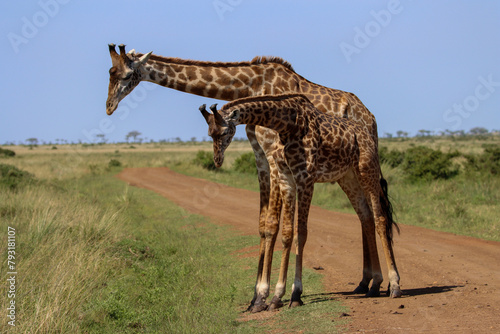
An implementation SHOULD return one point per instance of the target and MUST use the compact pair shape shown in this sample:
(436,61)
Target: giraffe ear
(235,115)
(143,60)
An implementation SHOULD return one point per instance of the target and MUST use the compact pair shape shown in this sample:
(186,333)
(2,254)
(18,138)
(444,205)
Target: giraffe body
(314,147)
(230,81)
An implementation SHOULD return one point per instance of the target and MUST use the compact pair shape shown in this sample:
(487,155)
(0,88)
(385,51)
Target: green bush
(392,158)
(12,177)
(114,163)
(425,163)
(205,159)
(245,163)
(488,161)
(6,153)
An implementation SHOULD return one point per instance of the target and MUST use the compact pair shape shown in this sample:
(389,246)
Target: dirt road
(451,284)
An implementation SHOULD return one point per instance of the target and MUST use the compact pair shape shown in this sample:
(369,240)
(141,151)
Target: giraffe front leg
(270,233)
(263,172)
(305,191)
(288,194)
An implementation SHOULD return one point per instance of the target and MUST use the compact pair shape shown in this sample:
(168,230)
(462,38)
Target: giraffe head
(221,128)
(124,75)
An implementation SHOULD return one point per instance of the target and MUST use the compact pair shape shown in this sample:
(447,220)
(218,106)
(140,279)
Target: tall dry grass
(62,244)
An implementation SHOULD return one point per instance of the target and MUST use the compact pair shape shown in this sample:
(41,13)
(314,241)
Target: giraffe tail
(387,209)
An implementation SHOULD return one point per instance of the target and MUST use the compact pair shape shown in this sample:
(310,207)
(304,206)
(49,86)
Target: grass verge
(97,256)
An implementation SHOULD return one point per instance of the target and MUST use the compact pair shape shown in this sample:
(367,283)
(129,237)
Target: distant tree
(424,133)
(478,131)
(401,133)
(388,135)
(102,138)
(32,141)
(132,134)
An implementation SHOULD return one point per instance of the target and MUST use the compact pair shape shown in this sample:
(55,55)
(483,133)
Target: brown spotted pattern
(313,147)
(230,81)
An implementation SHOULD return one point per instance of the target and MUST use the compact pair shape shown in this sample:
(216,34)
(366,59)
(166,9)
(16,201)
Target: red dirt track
(450,283)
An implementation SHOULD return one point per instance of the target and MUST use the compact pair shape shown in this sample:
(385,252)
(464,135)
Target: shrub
(205,159)
(392,158)
(6,153)
(114,163)
(488,161)
(425,163)
(12,177)
(245,163)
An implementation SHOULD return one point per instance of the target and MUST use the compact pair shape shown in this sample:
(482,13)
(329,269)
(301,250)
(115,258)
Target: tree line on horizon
(135,135)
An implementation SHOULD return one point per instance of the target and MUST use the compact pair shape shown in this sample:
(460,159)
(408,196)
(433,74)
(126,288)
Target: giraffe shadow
(430,290)
(322,297)
(328,296)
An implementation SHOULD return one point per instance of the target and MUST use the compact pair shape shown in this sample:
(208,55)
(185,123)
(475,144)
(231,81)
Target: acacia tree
(401,133)
(102,138)
(478,131)
(134,134)
(32,142)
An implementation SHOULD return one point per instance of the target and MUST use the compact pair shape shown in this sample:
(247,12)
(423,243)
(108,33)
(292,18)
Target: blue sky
(430,65)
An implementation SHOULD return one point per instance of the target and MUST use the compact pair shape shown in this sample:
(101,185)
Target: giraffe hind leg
(383,224)
(371,264)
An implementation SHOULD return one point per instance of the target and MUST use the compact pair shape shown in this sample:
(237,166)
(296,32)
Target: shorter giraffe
(315,147)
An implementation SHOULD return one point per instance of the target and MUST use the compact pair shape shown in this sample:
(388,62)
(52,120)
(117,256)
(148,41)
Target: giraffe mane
(255,61)
(262,98)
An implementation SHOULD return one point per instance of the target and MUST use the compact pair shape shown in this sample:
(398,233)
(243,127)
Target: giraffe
(229,81)
(315,147)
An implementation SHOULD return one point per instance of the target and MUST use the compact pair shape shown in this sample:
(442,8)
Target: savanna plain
(95,255)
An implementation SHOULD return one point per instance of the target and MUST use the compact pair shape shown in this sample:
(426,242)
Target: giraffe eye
(128,76)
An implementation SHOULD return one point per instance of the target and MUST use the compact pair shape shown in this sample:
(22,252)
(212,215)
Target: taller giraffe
(230,81)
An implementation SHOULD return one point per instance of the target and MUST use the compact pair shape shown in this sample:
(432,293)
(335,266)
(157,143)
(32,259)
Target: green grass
(98,256)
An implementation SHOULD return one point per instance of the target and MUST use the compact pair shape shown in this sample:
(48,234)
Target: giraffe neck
(278,113)
(224,81)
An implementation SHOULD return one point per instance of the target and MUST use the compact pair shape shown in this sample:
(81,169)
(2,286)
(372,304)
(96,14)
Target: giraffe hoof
(256,308)
(396,292)
(275,304)
(295,300)
(374,292)
(361,289)
(295,303)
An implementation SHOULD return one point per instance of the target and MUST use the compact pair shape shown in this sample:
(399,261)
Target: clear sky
(431,65)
